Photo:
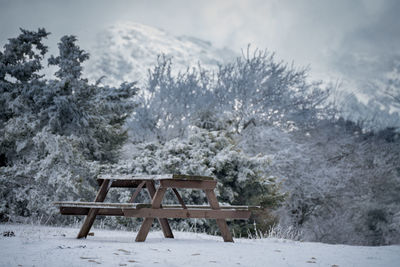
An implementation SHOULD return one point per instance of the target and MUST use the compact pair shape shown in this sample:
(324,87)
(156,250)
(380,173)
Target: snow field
(55,246)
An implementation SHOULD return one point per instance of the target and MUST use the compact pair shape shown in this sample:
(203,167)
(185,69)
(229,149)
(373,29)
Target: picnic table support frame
(178,196)
(137,191)
(155,210)
(163,221)
(223,226)
(101,195)
(89,220)
(156,204)
(146,225)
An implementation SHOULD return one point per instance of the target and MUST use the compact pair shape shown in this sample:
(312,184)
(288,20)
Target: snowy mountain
(125,52)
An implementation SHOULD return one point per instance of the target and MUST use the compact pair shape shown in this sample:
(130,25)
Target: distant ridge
(125,52)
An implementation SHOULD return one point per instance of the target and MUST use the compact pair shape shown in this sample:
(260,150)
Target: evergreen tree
(54,132)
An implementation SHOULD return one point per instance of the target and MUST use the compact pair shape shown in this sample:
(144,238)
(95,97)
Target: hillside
(125,52)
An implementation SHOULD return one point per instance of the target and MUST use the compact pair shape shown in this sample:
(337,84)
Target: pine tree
(54,132)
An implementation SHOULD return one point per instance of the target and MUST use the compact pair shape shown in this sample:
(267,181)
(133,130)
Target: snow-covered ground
(51,246)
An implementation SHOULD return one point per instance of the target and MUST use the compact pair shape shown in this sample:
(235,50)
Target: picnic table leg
(178,196)
(137,191)
(146,225)
(223,226)
(163,221)
(89,220)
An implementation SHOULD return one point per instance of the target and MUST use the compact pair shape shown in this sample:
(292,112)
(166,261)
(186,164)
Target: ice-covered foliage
(170,102)
(242,179)
(393,88)
(252,90)
(258,89)
(69,60)
(53,132)
(21,58)
(343,184)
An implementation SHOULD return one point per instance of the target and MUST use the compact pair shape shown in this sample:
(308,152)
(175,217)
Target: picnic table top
(141,177)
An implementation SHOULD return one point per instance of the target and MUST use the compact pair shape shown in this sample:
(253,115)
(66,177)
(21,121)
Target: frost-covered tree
(242,179)
(258,89)
(342,183)
(393,87)
(70,59)
(93,112)
(54,132)
(20,63)
(255,89)
(170,102)
(21,58)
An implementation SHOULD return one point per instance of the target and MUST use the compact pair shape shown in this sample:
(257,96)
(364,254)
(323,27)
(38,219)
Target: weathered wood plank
(188,184)
(101,195)
(187,213)
(96,204)
(85,211)
(233,207)
(223,227)
(178,196)
(102,205)
(163,222)
(137,191)
(138,177)
(144,229)
(135,176)
(155,204)
(127,183)
(191,177)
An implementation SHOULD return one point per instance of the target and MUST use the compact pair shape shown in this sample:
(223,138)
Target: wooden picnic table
(155,210)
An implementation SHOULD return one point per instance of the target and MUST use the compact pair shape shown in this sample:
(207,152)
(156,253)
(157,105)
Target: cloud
(336,38)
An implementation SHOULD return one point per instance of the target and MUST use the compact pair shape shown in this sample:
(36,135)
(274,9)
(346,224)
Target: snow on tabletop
(152,177)
(56,246)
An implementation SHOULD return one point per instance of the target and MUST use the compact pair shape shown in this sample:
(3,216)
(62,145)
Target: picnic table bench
(155,210)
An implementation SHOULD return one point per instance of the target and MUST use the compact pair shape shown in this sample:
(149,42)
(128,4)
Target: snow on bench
(146,210)
(99,205)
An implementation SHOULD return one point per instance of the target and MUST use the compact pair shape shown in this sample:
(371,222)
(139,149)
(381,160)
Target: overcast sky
(333,37)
